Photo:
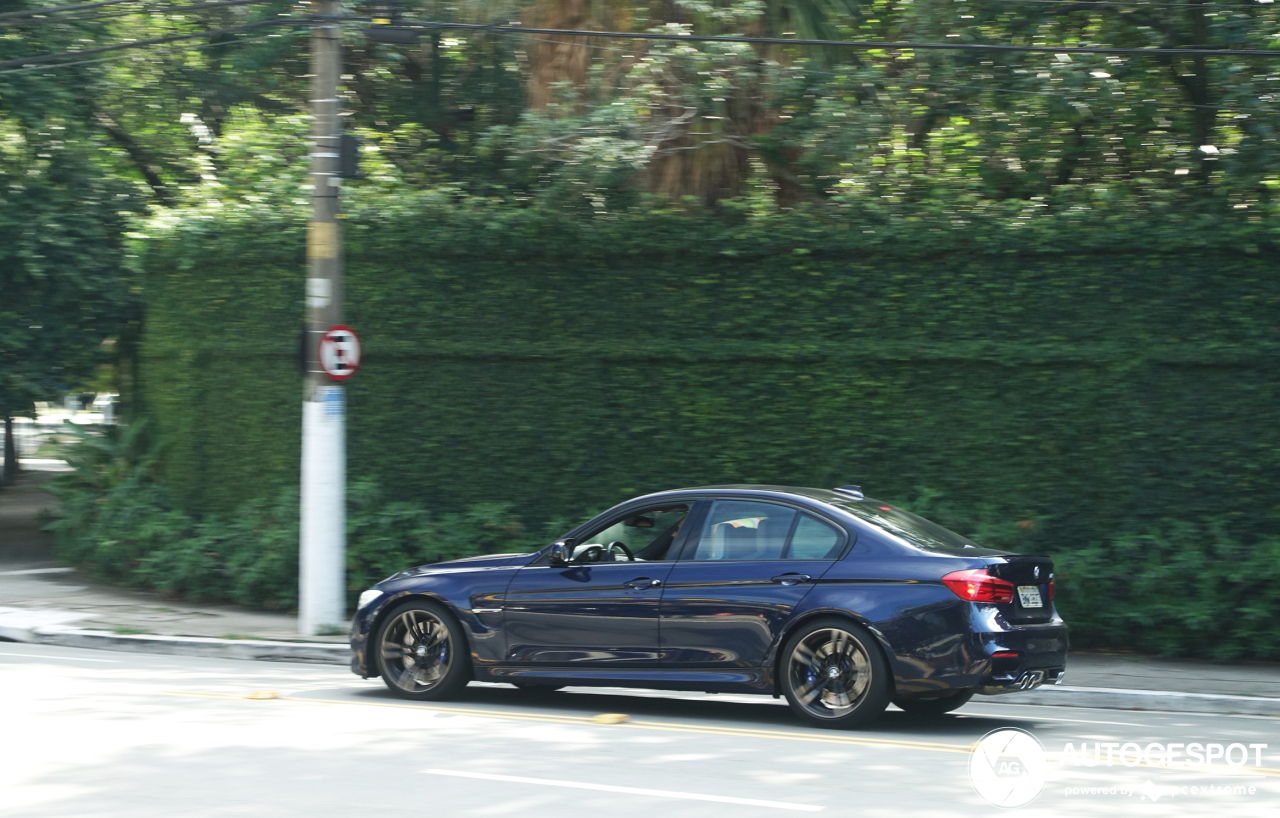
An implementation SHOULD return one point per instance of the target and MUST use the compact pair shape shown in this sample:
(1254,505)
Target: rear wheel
(834,675)
(936,705)
(422,653)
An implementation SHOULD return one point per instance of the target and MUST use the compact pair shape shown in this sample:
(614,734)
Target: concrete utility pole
(322,575)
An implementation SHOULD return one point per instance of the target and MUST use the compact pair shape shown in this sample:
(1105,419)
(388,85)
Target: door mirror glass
(558,556)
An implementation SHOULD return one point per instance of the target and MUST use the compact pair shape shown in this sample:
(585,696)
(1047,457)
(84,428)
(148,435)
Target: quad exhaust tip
(1029,680)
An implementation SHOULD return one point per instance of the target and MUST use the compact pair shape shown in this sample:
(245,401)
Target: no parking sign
(339,352)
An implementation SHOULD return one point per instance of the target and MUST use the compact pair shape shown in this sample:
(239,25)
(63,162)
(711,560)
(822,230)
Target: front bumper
(361,636)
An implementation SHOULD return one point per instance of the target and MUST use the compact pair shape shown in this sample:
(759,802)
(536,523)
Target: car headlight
(367,598)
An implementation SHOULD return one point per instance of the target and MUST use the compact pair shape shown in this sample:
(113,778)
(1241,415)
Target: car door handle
(791,579)
(643,582)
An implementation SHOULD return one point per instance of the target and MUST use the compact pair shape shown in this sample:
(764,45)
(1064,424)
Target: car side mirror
(558,556)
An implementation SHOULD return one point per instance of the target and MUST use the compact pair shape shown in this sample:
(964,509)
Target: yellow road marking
(708,730)
(740,732)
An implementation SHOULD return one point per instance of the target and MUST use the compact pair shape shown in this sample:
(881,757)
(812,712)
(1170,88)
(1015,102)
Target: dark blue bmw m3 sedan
(838,602)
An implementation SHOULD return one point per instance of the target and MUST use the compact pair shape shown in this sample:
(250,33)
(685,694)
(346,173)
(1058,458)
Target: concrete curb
(323,653)
(1123,699)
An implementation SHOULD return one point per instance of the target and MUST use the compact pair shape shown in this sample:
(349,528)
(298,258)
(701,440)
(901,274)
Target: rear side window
(737,530)
(916,530)
(742,530)
(814,540)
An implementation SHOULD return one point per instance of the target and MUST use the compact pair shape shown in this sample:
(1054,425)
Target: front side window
(738,530)
(646,535)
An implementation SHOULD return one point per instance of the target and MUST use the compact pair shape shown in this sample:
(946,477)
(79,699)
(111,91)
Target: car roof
(821,495)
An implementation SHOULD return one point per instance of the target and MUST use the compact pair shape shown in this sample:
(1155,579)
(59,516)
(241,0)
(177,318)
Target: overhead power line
(631,35)
(1140,4)
(1067,96)
(117,55)
(856,44)
(56,9)
(53,58)
(162,10)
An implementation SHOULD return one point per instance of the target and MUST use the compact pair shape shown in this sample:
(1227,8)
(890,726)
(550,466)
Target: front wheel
(834,675)
(422,653)
(937,705)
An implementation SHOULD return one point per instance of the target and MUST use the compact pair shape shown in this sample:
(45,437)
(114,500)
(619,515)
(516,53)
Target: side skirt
(737,680)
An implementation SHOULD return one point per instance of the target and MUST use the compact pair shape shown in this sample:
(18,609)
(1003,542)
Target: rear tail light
(1005,654)
(976,585)
(1050,590)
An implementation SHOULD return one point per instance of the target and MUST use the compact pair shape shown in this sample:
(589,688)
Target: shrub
(118,524)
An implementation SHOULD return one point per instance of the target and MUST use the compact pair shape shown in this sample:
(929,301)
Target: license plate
(1029,596)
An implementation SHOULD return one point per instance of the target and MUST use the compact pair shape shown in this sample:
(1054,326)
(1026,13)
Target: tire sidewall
(874,700)
(459,672)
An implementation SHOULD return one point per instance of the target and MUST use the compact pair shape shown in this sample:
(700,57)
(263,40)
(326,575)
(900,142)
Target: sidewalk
(42,601)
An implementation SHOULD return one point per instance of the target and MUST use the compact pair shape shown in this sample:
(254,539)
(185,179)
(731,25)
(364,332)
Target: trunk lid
(1030,576)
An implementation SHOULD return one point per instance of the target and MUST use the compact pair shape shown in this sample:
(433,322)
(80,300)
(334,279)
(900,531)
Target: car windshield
(914,529)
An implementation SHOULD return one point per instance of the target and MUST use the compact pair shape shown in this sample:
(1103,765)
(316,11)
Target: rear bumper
(1026,680)
(1024,657)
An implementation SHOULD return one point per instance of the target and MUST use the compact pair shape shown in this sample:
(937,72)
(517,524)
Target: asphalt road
(98,733)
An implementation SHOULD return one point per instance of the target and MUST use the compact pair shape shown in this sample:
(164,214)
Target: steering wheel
(620,545)
(589,554)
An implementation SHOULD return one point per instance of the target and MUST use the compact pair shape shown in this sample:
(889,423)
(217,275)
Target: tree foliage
(591,123)
(63,213)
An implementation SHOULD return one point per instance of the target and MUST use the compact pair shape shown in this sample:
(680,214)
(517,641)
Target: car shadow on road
(766,714)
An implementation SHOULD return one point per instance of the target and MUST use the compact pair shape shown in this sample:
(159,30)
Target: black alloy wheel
(936,705)
(422,653)
(834,675)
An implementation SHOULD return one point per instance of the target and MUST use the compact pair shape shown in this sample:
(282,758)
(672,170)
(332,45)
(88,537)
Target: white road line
(975,714)
(577,785)
(36,571)
(43,656)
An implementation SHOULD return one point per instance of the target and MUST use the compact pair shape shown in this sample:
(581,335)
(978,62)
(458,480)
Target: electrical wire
(681,37)
(857,44)
(47,58)
(8,15)
(1069,98)
(160,51)
(1136,4)
(94,17)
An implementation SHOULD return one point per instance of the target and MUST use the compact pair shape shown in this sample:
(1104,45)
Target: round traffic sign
(339,352)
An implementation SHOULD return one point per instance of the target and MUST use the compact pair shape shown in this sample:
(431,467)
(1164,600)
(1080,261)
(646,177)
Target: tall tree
(63,289)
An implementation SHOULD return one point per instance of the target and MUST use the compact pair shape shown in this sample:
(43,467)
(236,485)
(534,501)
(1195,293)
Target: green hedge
(1178,588)
(1094,372)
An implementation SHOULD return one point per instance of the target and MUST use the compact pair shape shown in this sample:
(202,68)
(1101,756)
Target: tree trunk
(559,59)
(10,451)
